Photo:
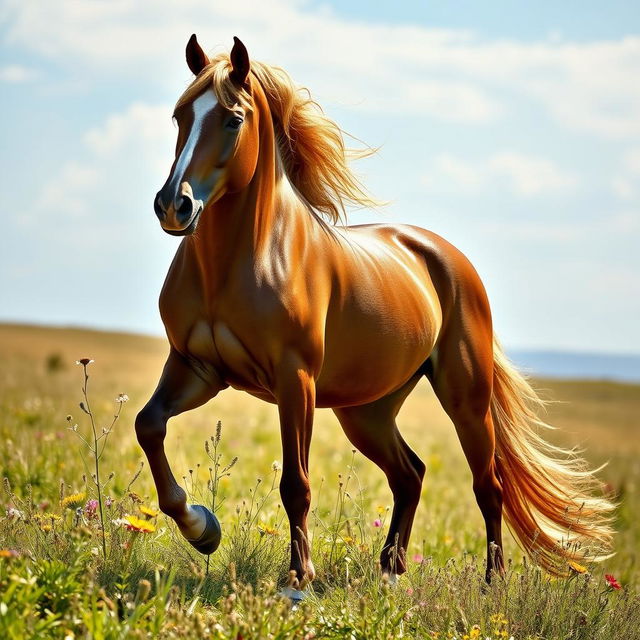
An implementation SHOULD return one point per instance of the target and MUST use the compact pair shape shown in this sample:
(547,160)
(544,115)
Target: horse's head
(217,147)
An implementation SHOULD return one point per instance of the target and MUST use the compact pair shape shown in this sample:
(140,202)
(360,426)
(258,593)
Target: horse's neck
(251,226)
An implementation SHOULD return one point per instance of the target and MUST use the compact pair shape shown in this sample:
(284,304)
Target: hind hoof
(209,539)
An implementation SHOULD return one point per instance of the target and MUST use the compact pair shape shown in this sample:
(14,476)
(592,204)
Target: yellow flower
(73,501)
(148,511)
(498,618)
(578,568)
(265,528)
(381,510)
(46,527)
(348,539)
(137,524)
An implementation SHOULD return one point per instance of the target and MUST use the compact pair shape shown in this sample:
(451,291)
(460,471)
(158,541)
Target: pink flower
(109,501)
(417,557)
(410,591)
(91,507)
(377,522)
(612,582)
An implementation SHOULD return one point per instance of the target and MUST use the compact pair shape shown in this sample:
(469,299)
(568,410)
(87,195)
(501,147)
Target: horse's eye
(234,123)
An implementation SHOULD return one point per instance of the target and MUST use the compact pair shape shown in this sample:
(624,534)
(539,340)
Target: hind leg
(372,429)
(462,378)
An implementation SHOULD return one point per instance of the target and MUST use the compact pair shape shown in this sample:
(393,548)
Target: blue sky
(511,129)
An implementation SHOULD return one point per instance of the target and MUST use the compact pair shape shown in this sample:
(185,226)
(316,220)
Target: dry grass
(40,385)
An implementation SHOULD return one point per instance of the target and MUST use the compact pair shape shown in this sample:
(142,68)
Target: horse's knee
(151,426)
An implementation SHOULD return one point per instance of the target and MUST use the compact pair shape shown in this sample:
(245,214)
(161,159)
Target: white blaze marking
(202,106)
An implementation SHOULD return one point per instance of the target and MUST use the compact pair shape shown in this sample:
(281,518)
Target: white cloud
(523,174)
(67,192)
(449,74)
(623,188)
(16,74)
(626,183)
(530,176)
(129,153)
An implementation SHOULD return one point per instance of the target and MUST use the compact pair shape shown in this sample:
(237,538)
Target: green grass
(154,585)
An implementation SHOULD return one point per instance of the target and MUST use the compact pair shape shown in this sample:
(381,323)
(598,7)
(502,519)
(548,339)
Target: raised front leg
(296,403)
(179,390)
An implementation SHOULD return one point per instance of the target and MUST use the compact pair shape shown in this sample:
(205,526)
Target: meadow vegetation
(59,578)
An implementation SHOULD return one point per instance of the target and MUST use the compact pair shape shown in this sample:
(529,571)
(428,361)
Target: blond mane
(312,146)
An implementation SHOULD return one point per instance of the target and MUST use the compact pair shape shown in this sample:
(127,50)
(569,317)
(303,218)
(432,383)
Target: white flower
(276,466)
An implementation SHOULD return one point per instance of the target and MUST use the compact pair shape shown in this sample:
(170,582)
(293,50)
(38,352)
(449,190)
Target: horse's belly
(373,348)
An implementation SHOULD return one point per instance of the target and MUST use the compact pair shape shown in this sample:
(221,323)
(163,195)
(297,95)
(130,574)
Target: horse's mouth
(190,228)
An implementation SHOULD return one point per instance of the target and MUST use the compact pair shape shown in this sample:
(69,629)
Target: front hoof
(295,595)
(209,539)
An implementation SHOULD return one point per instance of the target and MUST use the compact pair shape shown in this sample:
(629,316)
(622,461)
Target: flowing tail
(552,501)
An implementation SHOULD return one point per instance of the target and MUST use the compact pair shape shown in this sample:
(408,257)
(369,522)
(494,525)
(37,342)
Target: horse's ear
(196,57)
(239,62)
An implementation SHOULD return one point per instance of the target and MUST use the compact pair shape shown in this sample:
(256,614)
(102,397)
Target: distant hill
(567,364)
(540,363)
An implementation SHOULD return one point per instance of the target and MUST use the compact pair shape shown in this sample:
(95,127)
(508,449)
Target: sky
(512,129)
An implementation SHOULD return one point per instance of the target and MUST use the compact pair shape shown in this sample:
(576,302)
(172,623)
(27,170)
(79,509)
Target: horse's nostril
(184,207)
(158,208)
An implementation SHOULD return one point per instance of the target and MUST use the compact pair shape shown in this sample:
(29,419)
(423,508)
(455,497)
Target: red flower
(612,582)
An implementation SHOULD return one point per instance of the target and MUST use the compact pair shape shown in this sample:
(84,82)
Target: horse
(270,293)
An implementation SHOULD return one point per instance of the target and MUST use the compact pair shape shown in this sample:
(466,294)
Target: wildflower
(44,505)
(417,557)
(122,398)
(410,591)
(9,553)
(84,361)
(135,497)
(137,524)
(73,501)
(148,511)
(276,466)
(12,512)
(109,501)
(612,582)
(382,509)
(578,568)
(91,507)
(348,539)
(377,522)
(77,518)
(265,528)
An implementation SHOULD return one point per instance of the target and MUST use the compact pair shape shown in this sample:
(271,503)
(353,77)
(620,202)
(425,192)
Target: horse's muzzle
(181,216)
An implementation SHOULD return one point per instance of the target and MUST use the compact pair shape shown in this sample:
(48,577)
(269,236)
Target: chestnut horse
(266,296)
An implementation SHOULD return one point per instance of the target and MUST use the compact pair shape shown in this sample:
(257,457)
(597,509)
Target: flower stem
(96,458)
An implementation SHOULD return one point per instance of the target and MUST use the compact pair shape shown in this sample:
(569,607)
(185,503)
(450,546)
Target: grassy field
(54,581)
